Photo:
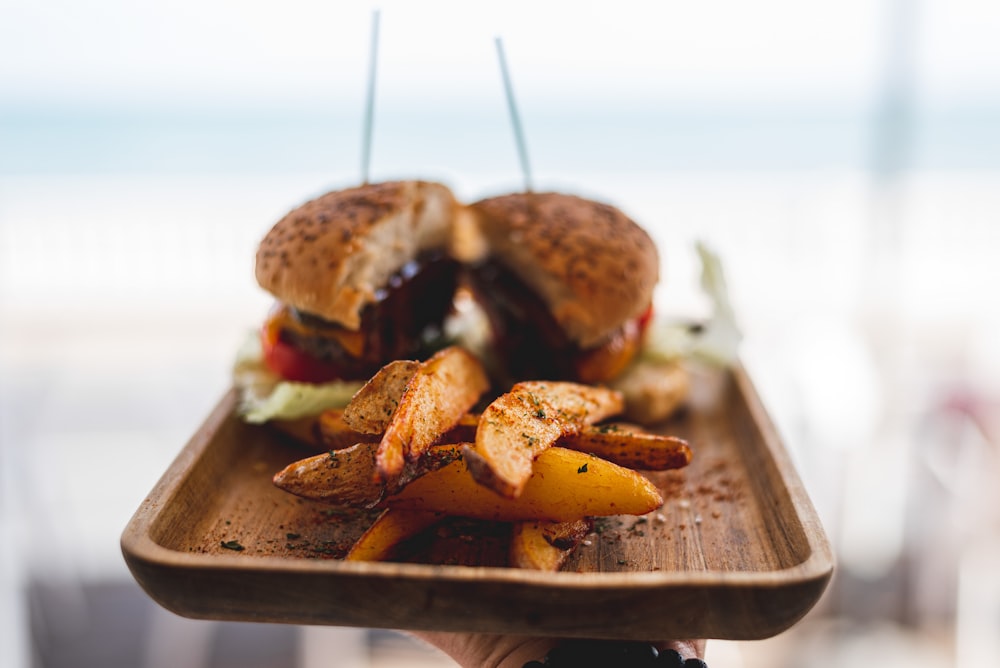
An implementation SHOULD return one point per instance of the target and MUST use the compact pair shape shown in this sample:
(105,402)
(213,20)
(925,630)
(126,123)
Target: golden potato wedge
(347,478)
(441,390)
(335,433)
(545,546)
(304,430)
(629,446)
(390,529)
(519,425)
(324,432)
(653,390)
(618,442)
(565,485)
(331,432)
(341,477)
(463,432)
(371,408)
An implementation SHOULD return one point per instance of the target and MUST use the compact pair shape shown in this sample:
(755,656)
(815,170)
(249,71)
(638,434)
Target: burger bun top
(591,264)
(330,256)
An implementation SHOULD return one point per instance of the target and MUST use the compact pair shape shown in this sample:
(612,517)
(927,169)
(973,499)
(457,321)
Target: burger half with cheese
(567,285)
(361,276)
(370,274)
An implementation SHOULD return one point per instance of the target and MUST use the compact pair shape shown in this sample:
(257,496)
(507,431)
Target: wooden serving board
(736,551)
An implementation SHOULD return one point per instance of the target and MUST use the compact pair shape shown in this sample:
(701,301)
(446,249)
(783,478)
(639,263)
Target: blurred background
(842,157)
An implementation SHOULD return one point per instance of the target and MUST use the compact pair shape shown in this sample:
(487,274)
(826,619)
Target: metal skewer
(515,119)
(366,145)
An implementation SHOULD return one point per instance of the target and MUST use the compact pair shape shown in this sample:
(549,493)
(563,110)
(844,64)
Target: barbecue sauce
(526,338)
(408,312)
(529,342)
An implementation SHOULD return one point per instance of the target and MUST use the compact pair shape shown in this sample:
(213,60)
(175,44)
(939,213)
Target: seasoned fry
(535,458)
(519,425)
(565,486)
(653,391)
(621,443)
(347,478)
(371,408)
(439,393)
(463,432)
(335,433)
(324,432)
(545,546)
(341,477)
(390,529)
(628,446)
(305,430)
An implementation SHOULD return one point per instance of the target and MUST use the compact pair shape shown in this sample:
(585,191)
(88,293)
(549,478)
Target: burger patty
(407,312)
(525,335)
(529,341)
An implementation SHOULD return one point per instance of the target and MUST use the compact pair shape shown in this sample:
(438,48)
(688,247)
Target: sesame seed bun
(591,264)
(330,256)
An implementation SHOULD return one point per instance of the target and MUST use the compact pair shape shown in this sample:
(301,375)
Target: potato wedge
(390,529)
(653,391)
(463,432)
(618,442)
(565,485)
(342,477)
(546,546)
(335,433)
(324,432)
(304,430)
(371,408)
(343,473)
(439,393)
(624,444)
(519,425)
(347,478)
(629,446)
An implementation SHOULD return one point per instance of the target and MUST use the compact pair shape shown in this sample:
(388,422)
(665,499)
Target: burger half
(370,274)
(567,285)
(360,276)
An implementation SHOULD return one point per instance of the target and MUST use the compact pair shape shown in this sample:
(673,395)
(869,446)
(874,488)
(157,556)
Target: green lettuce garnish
(266,396)
(715,341)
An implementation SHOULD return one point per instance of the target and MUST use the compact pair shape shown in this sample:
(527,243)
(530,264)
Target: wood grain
(736,551)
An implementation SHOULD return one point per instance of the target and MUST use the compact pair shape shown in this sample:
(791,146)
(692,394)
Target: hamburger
(566,284)
(371,274)
(360,276)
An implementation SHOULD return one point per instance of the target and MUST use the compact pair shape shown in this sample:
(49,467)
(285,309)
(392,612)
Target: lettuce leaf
(716,341)
(265,396)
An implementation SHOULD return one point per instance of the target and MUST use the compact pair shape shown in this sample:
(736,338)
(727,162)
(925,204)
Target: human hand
(482,650)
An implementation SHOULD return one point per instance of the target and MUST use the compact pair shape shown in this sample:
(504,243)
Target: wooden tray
(736,551)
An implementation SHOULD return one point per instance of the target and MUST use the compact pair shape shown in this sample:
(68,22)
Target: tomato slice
(292,364)
(606,362)
(646,318)
(601,364)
